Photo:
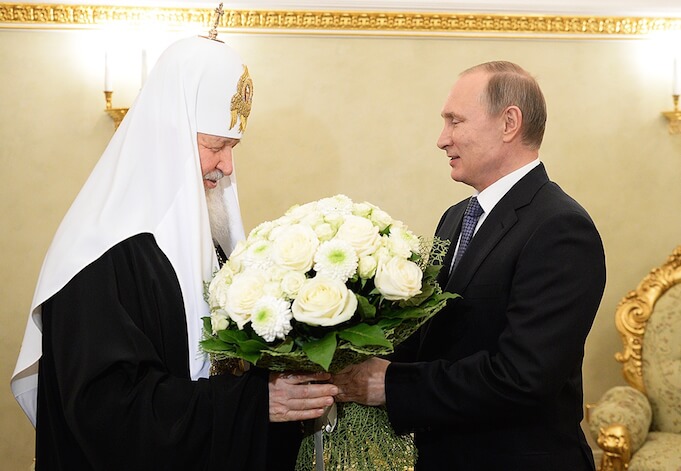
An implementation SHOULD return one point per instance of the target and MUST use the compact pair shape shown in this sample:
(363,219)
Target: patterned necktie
(470,219)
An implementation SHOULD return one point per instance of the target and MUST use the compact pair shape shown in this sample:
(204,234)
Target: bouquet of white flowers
(327,285)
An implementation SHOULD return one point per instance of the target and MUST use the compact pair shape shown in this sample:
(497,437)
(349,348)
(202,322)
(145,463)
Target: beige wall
(358,115)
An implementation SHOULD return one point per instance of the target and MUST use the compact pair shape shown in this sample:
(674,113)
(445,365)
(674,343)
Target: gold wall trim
(55,16)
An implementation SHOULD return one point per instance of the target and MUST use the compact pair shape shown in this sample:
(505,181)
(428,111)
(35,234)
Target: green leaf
(232,336)
(212,344)
(249,356)
(321,351)
(252,346)
(361,335)
(366,309)
(207,326)
(427,291)
(285,347)
(387,323)
(431,272)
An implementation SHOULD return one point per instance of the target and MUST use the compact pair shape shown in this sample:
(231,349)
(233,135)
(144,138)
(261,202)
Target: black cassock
(114,391)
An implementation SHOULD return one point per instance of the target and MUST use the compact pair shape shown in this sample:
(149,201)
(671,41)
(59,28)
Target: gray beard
(219,221)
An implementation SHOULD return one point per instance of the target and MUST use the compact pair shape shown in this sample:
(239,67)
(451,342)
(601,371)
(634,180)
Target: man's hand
(363,383)
(296,397)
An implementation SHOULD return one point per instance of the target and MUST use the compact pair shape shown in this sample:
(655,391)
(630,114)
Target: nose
(226,164)
(445,138)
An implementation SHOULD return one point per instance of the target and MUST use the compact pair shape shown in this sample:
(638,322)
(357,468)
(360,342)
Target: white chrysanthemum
(336,259)
(340,204)
(271,318)
(258,255)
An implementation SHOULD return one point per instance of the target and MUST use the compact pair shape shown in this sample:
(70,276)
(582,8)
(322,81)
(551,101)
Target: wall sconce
(674,117)
(117,114)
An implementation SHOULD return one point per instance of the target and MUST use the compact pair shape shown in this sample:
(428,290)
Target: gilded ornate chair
(639,426)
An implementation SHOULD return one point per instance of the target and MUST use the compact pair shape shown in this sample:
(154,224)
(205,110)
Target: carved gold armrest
(615,441)
(619,423)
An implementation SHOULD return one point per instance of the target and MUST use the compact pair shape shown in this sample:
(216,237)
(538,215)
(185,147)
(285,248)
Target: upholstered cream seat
(639,426)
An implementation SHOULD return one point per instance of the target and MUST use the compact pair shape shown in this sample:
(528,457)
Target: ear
(513,120)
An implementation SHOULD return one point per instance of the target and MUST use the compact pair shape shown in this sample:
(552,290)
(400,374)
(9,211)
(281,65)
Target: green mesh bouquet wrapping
(329,284)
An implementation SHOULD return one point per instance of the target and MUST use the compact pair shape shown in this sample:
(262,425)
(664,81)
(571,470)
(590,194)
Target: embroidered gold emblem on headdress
(241,101)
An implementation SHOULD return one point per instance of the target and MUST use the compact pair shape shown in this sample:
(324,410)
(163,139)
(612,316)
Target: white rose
(236,258)
(397,247)
(313,219)
(298,212)
(291,283)
(294,247)
(361,234)
(217,289)
(383,254)
(361,209)
(334,219)
(244,292)
(381,218)
(324,232)
(218,320)
(273,288)
(367,267)
(324,302)
(401,233)
(262,230)
(398,279)
(276,273)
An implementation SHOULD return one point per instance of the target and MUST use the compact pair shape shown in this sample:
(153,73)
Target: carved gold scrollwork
(88,16)
(634,310)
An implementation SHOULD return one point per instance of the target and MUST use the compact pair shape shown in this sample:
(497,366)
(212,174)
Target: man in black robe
(112,338)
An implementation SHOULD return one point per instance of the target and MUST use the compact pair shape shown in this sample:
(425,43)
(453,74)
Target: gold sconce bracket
(674,117)
(117,114)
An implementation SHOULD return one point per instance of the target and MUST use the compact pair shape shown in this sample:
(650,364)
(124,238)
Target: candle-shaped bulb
(107,74)
(676,77)
(144,68)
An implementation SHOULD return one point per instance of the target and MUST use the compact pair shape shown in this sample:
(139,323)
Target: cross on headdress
(213,33)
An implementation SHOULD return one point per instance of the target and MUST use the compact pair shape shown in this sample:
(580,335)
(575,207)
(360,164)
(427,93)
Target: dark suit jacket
(494,380)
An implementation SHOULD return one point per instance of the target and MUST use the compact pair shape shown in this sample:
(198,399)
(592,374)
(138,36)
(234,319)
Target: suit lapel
(496,225)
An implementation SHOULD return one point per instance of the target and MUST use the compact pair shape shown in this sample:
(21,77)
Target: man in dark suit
(494,381)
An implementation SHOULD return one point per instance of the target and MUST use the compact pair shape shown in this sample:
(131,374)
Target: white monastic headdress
(149,180)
